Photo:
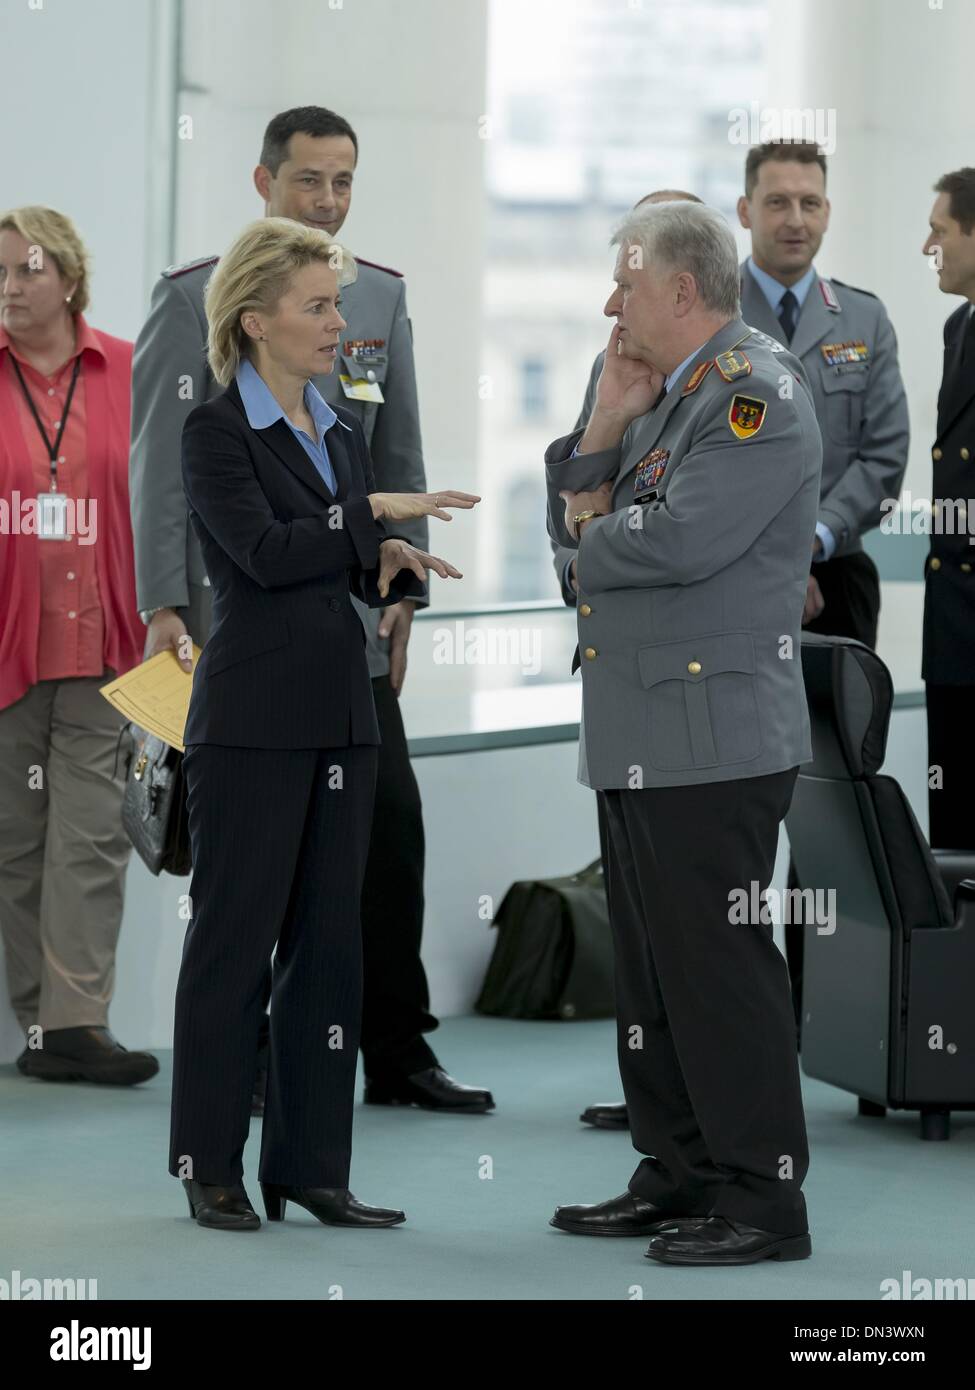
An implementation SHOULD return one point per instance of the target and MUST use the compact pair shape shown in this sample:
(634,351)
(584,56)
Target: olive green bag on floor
(554,953)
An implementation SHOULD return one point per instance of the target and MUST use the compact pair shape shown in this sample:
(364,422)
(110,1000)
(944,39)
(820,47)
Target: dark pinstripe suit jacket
(285,663)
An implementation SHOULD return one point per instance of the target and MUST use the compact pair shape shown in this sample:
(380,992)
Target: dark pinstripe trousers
(279,840)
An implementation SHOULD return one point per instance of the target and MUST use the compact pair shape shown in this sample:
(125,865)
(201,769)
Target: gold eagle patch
(746,415)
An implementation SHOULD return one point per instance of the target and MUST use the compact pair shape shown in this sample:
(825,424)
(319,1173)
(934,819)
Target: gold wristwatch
(583,516)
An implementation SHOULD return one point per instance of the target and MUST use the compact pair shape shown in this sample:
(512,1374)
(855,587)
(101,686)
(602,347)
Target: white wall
(78,93)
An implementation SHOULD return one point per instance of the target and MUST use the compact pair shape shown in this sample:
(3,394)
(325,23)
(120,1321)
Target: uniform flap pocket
(849,377)
(359,371)
(227,651)
(695,658)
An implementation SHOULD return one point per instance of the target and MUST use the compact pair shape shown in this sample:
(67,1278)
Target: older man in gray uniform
(307,164)
(564,556)
(694,512)
(603,1114)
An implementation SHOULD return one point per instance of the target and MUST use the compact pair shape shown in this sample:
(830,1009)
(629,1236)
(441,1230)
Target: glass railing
(499,676)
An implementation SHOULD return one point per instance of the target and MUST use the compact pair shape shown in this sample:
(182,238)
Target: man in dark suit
(948,664)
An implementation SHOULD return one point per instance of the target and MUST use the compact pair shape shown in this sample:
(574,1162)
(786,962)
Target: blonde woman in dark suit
(281,738)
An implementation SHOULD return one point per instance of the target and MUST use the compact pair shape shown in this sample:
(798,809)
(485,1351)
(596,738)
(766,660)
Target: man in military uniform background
(694,514)
(948,665)
(308,160)
(845,341)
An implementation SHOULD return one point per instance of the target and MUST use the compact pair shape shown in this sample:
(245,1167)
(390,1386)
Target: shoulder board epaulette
(732,365)
(388,269)
(829,296)
(868,293)
(697,376)
(172,271)
(773,344)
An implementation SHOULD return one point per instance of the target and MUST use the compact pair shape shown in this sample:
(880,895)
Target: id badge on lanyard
(52,506)
(52,516)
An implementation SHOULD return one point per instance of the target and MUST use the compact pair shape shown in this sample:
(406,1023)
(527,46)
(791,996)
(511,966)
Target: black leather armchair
(889,984)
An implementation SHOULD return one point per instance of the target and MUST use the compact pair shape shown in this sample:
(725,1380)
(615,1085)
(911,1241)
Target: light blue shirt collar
(262,407)
(773,289)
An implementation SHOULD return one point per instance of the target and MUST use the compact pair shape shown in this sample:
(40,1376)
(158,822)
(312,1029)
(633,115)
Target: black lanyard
(52,449)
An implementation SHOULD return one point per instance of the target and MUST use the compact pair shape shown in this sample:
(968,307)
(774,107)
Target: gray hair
(687,236)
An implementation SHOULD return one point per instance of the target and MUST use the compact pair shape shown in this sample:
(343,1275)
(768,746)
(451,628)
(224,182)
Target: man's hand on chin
(396,623)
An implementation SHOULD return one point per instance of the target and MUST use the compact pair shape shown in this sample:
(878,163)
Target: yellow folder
(155,695)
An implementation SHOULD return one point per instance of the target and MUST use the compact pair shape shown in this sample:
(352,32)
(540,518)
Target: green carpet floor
(84,1193)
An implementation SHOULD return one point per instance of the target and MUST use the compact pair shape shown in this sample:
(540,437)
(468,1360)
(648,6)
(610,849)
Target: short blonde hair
(254,274)
(58,237)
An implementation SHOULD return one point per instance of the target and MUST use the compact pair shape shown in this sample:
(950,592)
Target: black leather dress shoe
(22,1062)
(88,1054)
(624,1215)
(335,1206)
(220,1208)
(719,1241)
(432,1089)
(606,1115)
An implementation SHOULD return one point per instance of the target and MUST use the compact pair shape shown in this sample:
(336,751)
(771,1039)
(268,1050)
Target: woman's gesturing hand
(402,506)
(396,555)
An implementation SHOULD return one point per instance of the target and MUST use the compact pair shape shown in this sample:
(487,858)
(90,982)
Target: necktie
(788,313)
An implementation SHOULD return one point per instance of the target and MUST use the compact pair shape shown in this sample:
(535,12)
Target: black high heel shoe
(335,1206)
(221,1208)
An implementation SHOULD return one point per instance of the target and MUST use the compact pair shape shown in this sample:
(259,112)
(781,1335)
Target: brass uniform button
(966,567)
(590,653)
(694,667)
(584,610)
(935,563)
(935,454)
(964,452)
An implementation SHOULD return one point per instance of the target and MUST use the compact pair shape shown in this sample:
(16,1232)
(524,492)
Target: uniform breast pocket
(701,703)
(363,382)
(843,389)
(225,652)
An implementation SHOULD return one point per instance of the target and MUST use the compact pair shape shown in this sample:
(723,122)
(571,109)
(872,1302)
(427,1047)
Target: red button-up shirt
(72,625)
(57,596)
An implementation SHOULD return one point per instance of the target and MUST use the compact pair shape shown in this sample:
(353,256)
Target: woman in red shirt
(68,624)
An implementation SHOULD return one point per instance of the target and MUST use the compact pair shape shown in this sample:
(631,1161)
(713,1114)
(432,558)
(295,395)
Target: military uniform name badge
(649,471)
(363,356)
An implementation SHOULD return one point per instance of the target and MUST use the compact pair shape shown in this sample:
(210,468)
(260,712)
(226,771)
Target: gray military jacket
(845,341)
(691,591)
(860,404)
(170,376)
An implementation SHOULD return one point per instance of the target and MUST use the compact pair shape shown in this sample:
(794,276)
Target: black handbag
(554,953)
(154,805)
